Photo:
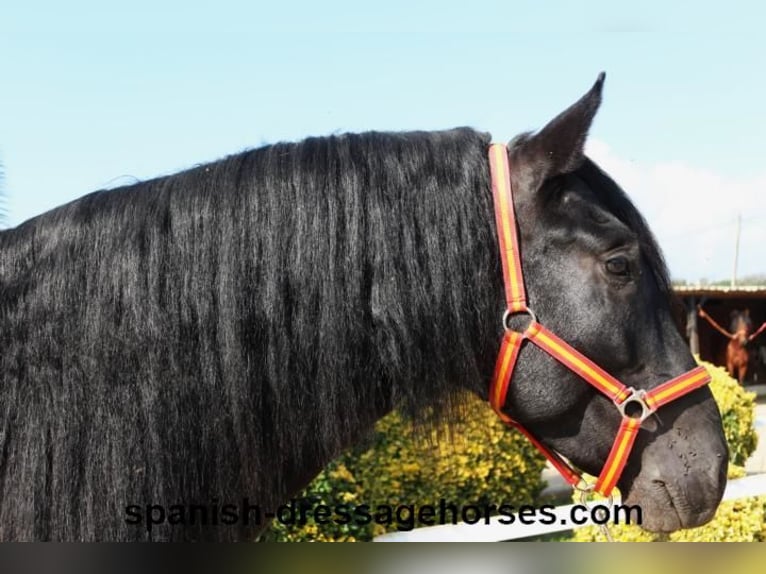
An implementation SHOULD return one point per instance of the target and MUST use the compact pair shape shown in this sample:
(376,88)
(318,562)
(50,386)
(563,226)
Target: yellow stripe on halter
(501,376)
(509,233)
(572,358)
(567,355)
(679,387)
(619,458)
(513,339)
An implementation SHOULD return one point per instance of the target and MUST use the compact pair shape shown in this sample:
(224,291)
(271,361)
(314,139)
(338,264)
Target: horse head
(595,277)
(741,326)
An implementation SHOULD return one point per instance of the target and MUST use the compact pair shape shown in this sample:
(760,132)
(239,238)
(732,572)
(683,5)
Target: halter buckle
(634,398)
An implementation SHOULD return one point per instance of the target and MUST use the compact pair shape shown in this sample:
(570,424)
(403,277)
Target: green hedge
(742,520)
(475,462)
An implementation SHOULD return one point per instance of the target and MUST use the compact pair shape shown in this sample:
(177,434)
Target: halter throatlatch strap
(634,405)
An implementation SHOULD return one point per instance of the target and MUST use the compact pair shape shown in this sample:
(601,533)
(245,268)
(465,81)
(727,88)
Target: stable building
(719,302)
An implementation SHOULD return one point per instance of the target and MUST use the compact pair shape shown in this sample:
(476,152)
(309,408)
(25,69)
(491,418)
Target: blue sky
(94,95)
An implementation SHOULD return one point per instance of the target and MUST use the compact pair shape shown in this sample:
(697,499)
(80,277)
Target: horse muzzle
(680,475)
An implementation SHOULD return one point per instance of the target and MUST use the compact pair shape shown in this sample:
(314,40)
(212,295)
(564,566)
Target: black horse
(214,338)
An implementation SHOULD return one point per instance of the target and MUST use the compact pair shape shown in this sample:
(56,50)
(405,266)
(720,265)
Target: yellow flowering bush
(742,520)
(737,408)
(483,463)
(477,461)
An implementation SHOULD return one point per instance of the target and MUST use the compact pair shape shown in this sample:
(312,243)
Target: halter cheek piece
(633,405)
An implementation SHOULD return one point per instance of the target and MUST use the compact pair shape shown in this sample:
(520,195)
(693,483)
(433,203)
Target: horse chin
(672,499)
(665,509)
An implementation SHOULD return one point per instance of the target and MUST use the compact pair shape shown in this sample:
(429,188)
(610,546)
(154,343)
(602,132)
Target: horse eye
(618,266)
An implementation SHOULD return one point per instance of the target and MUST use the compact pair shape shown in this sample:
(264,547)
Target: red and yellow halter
(634,405)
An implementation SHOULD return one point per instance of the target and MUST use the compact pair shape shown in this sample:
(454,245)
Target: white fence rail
(754,485)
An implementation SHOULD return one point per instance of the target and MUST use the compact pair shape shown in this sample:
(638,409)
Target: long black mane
(198,336)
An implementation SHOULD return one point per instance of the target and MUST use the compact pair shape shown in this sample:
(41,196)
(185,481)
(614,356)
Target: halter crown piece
(634,405)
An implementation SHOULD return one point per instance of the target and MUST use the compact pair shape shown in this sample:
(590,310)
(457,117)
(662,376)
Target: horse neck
(392,299)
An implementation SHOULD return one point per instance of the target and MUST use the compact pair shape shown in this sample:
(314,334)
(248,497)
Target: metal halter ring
(584,487)
(635,397)
(525,311)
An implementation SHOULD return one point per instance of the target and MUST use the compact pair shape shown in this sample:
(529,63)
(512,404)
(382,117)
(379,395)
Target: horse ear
(558,147)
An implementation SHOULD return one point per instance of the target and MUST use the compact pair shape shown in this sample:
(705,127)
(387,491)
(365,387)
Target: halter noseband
(643,403)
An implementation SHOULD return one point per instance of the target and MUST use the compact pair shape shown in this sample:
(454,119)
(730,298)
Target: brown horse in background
(737,355)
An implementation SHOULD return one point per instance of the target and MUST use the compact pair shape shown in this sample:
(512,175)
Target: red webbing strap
(577,362)
(676,387)
(515,296)
(565,469)
(628,430)
(506,361)
(618,456)
(615,390)
(505,219)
